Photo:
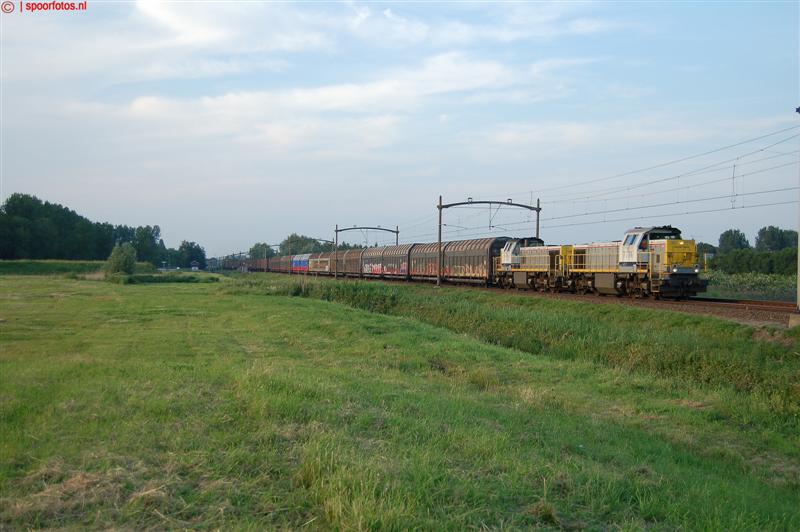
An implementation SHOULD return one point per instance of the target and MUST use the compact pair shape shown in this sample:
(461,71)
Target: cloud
(333,121)
(521,22)
(187,30)
(571,135)
(154,40)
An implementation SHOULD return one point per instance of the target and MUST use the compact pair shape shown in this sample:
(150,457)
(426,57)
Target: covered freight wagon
(372,262)
(424,259)
(471,260)
(320,263)
(395,260)
(281,264)
(300,263)
(462,260)
(348,262)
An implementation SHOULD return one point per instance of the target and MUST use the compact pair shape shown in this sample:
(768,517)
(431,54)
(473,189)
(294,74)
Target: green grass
(58,267)
(762,363)
(764,286)
(208,405)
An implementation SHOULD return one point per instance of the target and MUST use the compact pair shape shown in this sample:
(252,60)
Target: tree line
(34,229)
(295,244)
(775,251)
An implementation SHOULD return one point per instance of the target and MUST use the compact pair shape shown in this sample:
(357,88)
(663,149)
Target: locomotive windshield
(669,233)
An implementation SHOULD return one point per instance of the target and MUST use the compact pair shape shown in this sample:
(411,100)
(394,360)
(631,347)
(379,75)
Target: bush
(751,285)
(73,268)
(749,260)
(121,260)
(143,278)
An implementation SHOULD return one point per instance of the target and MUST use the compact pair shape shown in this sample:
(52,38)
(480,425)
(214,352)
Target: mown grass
(764,364)
(172,406)
(58,267)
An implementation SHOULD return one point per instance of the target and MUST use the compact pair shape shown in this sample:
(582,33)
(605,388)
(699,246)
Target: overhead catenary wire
(587,197)
(612,211)
(591,196)
(663,191)
(641,217)
(671,162)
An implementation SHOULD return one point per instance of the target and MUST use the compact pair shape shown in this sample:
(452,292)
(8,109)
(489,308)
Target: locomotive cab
(629,249)
(509,256)
(672,263)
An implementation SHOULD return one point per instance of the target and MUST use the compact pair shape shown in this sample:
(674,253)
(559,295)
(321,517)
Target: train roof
(647,229)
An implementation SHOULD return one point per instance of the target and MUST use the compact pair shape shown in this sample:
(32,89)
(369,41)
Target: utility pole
(470,201)
(796,320)
(439,254)
(336,253)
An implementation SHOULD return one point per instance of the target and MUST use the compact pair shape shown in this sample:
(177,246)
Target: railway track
(786,307)
(746,311)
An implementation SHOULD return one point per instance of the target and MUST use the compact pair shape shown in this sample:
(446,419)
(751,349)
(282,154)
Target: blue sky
(229,123)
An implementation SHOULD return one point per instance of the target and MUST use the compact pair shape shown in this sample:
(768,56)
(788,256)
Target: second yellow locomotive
(649,261)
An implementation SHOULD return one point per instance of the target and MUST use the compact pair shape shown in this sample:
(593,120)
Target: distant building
(195,265)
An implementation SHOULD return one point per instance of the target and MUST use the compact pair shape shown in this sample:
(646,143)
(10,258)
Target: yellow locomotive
(649,261)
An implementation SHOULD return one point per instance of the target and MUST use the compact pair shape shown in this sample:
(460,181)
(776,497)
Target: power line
(674,161)
(697,171)
(697,200)
(587,198)
(610,211)
(642,217)
(704,211)
(668,163)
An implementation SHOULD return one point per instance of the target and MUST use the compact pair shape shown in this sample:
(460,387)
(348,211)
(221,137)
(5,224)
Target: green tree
(146,242)
(122,259)
(773,238)
(732,239)
(295,244)
(703,247)
(191,251)
(260,250)
(34,229)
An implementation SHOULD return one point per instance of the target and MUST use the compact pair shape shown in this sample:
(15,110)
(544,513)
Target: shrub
(751,285)
(144,278)
(749,260)
(121,260)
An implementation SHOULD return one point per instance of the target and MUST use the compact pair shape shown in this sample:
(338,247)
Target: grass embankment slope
(212,405)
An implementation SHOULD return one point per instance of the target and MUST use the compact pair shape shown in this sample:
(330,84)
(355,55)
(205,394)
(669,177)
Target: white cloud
(570,135)
(187,30)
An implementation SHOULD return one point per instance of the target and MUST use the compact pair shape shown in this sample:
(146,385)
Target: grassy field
(691,347)
(58,267)
(233,404)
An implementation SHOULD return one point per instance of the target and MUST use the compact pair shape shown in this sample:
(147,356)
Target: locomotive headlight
(674,268)
(696,268)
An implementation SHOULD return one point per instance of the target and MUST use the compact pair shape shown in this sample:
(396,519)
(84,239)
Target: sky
(228,123)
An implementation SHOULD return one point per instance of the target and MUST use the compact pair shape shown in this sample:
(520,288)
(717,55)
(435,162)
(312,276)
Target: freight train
(648,262)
